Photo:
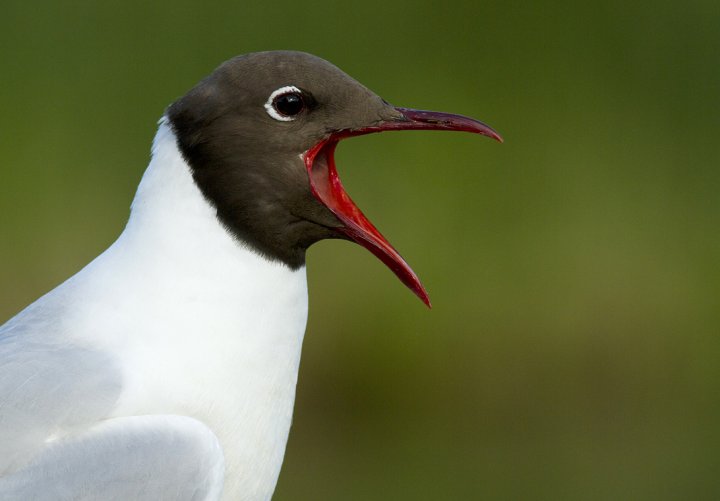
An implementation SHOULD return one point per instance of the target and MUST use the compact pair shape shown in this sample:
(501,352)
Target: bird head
(259,135)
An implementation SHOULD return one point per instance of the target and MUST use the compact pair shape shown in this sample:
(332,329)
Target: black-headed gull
(166,368)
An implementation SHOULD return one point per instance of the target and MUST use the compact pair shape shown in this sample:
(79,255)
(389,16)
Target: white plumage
(171,357)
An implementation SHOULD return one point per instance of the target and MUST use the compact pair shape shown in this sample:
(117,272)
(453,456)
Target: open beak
(327,188)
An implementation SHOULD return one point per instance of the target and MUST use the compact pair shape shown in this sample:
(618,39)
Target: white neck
(203,326)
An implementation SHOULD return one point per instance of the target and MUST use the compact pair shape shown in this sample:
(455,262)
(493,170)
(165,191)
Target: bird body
(167,367)
(219,342)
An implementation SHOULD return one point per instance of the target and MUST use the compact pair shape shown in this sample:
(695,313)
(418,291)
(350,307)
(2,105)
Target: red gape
(327,188)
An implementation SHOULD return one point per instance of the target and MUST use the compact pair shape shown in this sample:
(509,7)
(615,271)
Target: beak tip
(423,295)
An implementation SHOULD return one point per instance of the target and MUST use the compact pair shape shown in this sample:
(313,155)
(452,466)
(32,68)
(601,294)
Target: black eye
(286,103)
(289,104)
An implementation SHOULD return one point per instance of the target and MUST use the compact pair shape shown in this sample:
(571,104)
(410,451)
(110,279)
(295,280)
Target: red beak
(327,188)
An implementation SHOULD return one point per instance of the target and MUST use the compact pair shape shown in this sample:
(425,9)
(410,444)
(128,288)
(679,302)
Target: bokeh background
(573,351)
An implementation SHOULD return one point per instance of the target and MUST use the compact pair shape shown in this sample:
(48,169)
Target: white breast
(198,325)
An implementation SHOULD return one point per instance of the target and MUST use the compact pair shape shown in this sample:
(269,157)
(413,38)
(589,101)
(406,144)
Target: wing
(142,458)
(48,387)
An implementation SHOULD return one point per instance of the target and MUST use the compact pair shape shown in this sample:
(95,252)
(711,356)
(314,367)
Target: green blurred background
(573,351)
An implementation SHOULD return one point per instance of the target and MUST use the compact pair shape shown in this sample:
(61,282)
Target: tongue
(327,188)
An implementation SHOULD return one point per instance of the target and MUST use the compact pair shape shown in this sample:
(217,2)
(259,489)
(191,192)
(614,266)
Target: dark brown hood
(274,182)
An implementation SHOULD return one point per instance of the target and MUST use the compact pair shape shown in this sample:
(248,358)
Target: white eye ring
(288,89)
